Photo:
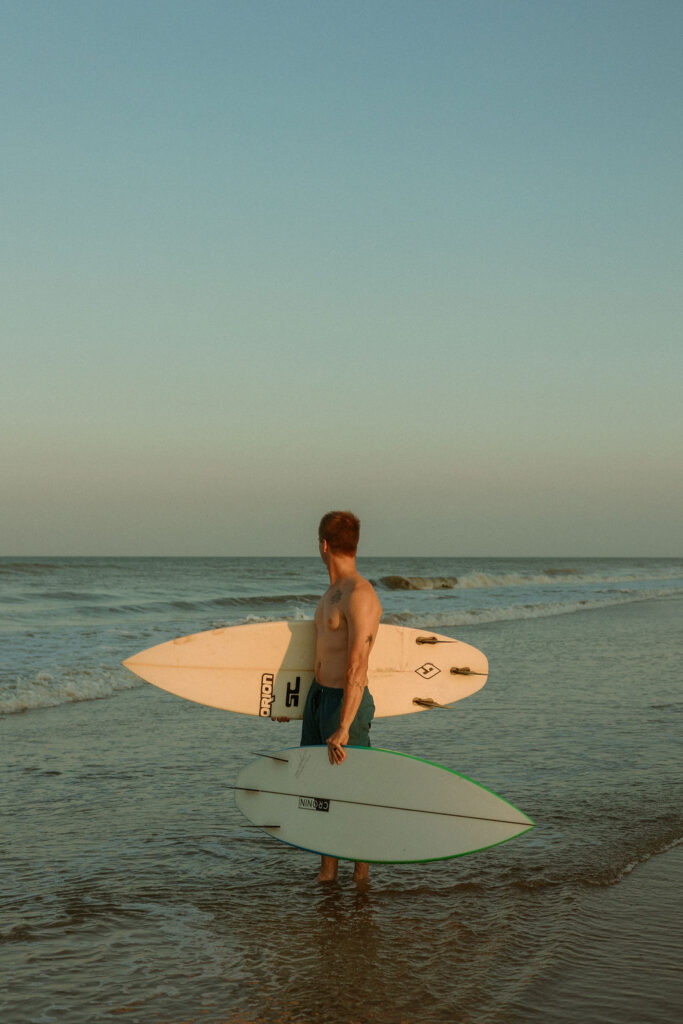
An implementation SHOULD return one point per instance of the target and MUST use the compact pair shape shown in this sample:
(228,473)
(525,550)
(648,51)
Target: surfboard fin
(465,671)
(433,640)
(429,702)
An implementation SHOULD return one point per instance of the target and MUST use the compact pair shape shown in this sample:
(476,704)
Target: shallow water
(67,623)
(133,888)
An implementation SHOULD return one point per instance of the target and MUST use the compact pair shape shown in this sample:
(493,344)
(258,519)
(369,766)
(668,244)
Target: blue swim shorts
(322,712)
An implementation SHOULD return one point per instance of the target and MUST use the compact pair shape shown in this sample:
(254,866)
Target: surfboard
(378,805)
(266,669)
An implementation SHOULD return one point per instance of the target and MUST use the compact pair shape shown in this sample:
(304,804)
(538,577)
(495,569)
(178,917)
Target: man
(339,707)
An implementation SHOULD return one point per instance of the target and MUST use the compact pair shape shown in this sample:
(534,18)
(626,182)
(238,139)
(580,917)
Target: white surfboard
(378,805)
(266,669)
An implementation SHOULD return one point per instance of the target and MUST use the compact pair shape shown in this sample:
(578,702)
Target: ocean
(133,890)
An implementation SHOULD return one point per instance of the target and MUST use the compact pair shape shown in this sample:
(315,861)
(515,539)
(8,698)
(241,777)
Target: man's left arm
(363,615)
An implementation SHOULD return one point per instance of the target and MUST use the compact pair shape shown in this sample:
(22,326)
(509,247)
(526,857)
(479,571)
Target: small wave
(596,873)
(419,582)
(46,690)
(180,604)
(236,602)
(475,616)
(295,615)
(37,568)
(618,873)
(25,566)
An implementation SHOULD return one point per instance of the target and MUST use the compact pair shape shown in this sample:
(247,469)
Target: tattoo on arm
(368,639)
(336,597)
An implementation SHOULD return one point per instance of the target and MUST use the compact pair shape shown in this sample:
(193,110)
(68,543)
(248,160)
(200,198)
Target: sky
(415,258)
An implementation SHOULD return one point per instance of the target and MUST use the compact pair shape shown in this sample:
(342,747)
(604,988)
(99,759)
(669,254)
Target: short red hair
(341,530)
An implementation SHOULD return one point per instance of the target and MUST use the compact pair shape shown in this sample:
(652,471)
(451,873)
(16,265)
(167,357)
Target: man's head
(341,531)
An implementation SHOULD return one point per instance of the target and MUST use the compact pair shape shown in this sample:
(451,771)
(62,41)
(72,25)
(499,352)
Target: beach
(135,891)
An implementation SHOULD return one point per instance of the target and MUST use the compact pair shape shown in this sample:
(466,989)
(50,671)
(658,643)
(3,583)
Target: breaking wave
(548,577)
(419,582)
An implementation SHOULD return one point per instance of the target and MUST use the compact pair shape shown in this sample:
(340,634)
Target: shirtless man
(339,707)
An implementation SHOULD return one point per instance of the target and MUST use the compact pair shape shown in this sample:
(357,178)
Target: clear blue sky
(418,259)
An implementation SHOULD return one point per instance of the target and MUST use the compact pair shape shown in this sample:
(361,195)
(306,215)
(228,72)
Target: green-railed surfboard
(377,806)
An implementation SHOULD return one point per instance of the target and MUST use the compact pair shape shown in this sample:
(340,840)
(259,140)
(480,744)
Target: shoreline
(619,956)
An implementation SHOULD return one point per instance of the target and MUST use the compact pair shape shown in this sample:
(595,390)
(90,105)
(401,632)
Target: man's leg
(311,736)
(359,736)
(328,869)
(324,710)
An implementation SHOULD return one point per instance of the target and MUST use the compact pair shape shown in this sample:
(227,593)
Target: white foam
(477,580)
(473,616)
(71,685)
(298,615)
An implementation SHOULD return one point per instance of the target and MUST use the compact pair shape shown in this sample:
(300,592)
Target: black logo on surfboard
(314,803)
(428,670)
(292,696)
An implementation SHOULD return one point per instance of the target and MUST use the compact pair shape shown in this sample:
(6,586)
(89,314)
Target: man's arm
(362,616)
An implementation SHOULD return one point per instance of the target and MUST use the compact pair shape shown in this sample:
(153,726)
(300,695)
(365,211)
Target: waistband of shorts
(330,689)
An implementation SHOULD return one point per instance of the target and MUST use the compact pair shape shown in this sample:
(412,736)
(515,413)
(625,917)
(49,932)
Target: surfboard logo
(313,803)
(293,690)
(428,670)
(267,680)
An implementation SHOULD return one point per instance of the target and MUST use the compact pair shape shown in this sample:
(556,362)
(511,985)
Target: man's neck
(341,567)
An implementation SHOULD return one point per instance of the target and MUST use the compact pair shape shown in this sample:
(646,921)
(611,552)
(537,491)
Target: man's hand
(335,745)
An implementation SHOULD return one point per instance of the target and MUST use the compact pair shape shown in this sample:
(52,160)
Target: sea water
(134,890)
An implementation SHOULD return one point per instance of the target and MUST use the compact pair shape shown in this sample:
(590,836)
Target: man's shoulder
(361,591)
(359,584)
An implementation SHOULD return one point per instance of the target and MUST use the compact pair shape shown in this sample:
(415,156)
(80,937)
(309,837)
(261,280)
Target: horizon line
(358,556)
